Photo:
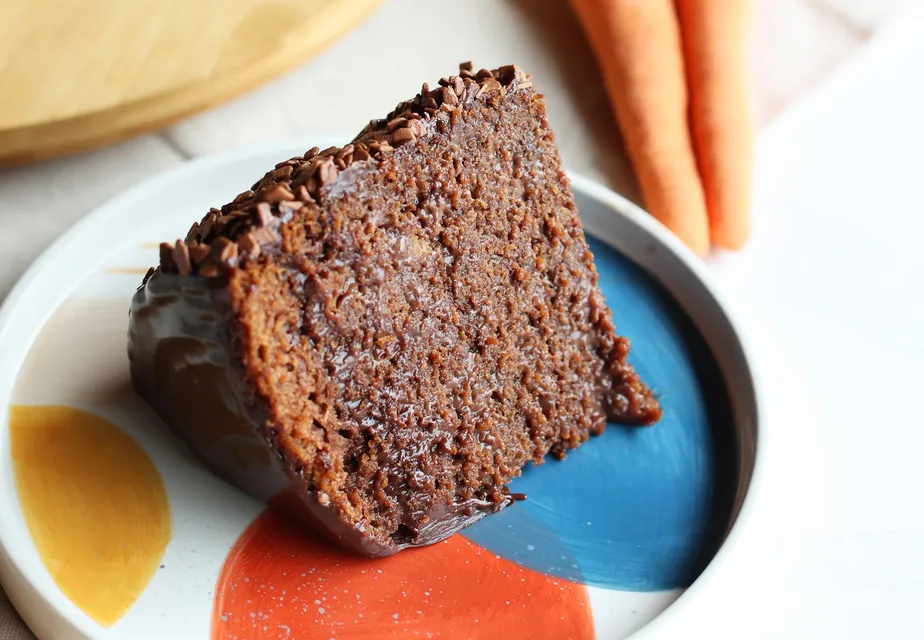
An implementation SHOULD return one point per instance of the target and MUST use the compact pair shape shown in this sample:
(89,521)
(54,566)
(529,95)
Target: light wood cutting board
(77,75)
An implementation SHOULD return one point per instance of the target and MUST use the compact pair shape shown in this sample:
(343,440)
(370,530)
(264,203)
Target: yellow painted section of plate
(78,74)
(95,505)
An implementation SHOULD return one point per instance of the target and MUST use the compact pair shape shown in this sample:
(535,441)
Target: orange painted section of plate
(279,582)
(77,75)
(94,503)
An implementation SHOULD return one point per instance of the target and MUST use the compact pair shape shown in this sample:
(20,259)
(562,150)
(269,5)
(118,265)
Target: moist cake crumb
(379,337)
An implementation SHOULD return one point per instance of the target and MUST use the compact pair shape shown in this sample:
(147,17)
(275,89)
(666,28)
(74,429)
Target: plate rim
(744,520)
(13,571)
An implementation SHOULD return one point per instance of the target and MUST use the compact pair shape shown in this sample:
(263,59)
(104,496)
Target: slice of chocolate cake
(381,336)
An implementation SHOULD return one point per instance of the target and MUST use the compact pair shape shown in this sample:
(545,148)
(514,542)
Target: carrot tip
(732,240)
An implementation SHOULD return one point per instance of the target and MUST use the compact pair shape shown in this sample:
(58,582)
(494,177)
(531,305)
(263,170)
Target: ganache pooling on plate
(380,337)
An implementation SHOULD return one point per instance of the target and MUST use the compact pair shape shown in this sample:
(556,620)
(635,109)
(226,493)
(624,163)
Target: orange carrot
(714,36)
(638,47)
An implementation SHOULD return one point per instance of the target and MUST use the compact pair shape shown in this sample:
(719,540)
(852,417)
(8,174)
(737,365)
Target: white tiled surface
(796,44)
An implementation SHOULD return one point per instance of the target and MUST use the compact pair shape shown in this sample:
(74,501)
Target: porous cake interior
(434,324)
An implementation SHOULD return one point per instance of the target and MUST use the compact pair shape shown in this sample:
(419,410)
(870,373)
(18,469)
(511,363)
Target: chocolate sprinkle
(275,193)
(243,229)
(224,250)
(198,253)
(248,244)
(181,258)
(193,234)
(264,214)
(265,236)
(303,195)
(402,136)
(166,257)
(327,172)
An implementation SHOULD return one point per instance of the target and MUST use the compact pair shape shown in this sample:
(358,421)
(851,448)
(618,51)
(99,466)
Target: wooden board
(77,75)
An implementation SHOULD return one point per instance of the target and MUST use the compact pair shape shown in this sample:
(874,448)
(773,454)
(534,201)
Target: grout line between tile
(166,139)
(837,15)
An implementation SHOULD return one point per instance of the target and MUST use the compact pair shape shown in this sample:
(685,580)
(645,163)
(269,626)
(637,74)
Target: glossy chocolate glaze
(183,364)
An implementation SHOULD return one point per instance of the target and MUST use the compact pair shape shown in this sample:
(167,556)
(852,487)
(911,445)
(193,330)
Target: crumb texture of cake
(395,327)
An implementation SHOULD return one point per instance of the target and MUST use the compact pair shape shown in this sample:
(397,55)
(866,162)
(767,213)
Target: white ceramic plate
(62,344)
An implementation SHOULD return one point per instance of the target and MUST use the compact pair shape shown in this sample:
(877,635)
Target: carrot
(638,47)
(714,37)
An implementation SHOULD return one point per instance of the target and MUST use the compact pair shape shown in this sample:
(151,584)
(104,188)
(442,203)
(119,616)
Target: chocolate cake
(381,336)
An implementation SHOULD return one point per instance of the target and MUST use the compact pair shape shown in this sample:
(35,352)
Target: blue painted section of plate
(637,509)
